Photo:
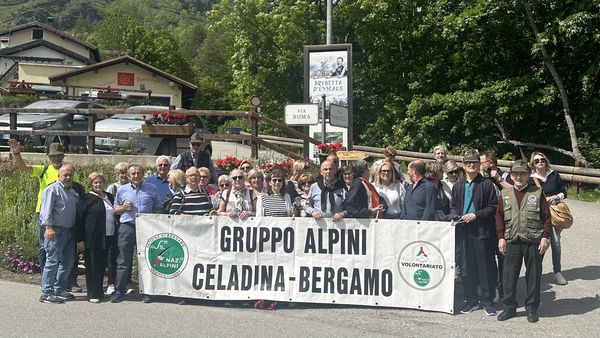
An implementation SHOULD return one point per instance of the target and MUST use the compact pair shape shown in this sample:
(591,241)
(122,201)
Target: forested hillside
(425,71)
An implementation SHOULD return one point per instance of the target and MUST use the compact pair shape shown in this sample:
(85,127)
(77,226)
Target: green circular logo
(166,255)
(421,277)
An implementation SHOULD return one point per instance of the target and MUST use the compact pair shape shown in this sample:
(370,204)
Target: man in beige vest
(523,225)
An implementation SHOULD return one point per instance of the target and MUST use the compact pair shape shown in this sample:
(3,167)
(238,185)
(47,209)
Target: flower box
(16,90)
(168,129)
(109,96)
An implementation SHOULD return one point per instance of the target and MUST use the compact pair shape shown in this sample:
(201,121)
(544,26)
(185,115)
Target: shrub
(14,259)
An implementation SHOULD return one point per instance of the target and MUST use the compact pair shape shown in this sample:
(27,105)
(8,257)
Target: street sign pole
(323,118)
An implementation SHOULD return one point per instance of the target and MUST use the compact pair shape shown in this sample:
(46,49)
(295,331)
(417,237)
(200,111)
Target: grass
(587,193)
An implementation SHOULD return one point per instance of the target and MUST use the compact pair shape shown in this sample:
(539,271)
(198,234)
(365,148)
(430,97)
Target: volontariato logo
(421,265)
(166,255)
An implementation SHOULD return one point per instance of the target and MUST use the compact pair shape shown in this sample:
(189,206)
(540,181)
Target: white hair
(163,158)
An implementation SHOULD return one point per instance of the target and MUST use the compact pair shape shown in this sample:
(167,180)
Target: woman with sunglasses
(204,177)
(305,181)
(276,202)
(223,183)
(392,191)
(451,176)
(555,191)
(237,200)
(298,168)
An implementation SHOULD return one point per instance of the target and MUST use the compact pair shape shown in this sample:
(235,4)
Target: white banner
(389,263)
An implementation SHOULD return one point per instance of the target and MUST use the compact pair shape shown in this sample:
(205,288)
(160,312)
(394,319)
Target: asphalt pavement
(573,309)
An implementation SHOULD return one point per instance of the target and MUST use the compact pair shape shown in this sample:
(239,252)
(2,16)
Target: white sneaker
(110,289)
(560,279)
(94,300)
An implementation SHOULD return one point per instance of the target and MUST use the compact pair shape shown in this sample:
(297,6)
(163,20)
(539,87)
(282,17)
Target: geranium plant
(166,117)
(228,163)
(329,147)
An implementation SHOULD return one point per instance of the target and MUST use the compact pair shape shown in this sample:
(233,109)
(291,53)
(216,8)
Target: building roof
(121,59)
(49,28)
(43,43)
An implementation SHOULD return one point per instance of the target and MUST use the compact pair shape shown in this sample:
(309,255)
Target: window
(38,34)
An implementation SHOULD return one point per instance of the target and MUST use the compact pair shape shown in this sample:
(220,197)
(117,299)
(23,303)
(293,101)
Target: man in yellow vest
(523,225)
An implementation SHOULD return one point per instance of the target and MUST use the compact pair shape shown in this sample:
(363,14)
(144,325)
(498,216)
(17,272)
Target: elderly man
(160,180)
(474,202)
(419,203)
(57,216)
(193,200)
(134,197)
(523,225)
(440,152)
(326,195)
(195,157)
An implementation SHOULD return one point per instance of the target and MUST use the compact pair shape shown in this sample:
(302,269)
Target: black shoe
(532,315)
(117,297)
(64,295)
(146,299)
(469,306)
(52,299)
(509,313)
(489,308)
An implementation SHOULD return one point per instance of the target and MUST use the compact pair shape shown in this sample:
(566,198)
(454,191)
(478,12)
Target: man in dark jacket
(195,157)
(474,202)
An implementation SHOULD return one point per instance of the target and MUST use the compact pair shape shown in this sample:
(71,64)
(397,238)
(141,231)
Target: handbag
(560,213)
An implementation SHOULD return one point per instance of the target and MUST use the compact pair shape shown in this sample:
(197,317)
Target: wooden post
(91,140)
(12,124)
(576,185)
(254,131)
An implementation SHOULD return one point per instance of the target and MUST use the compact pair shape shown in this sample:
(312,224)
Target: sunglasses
(276,180)
(452,172)
(246,168)
(347,174)
(471,163)
(224,185)
(235,178)
(163,165)
(196,144)
(305,183)
(386,171)
(539,160)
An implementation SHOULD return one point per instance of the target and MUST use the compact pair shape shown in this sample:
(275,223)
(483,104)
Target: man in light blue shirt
(134,197)
(57,215)
(160,180)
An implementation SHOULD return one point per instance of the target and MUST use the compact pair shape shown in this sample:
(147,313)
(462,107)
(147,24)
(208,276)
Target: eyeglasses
(202,177)
(196,144)
(162,165)
(246,168)
(224,185)
(347,174)
(471,163)
(192,175)
(452,172)
(235,178)
(276,180)
(539,160)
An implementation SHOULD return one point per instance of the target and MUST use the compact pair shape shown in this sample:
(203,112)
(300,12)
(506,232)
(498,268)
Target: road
(573,309)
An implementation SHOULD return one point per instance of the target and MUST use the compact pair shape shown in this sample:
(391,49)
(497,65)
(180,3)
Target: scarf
(373,195)
(327,192)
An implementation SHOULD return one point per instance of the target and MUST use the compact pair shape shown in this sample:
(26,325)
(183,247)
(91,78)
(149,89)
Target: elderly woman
(392,191)
(298,168)
(237,201)
(204,177)
(223,183)
(555,191)
(276,202)
(434,174)
(451,176)
(176,179)
(304,182)
(95,232)
(346,176)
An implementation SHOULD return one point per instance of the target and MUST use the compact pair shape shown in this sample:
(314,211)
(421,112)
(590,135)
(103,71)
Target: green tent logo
(166,255)
(421,277)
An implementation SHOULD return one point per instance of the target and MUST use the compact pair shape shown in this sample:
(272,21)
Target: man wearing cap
(523,225)
(195,157)
(46,174)
(474,202)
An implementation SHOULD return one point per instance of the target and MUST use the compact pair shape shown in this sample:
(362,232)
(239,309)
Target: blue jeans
(59,261)
(555,246)
(125,244)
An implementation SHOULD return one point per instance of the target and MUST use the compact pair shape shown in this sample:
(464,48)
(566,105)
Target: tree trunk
(559,83)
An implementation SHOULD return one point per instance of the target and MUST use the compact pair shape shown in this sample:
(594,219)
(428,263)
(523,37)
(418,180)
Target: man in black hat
(523,225)
(474,202)
(195,157)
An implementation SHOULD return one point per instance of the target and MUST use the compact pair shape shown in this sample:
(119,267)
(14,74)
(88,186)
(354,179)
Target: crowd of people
(501,219)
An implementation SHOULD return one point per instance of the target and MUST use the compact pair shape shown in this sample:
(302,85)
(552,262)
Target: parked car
(143,144)
(52,121)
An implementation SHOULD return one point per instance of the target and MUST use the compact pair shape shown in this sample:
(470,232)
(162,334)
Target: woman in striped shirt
(276,202)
